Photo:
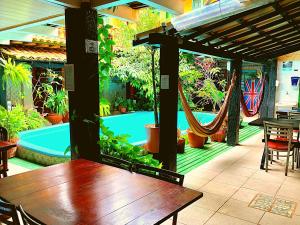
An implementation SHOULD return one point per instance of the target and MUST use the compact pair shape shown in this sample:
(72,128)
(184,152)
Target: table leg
(263,159)
(5,162)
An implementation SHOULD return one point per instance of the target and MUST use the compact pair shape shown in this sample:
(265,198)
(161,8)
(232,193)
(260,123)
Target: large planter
(12,152)
(122,109)
(180,145)
(54,118)
(65,117)
(195,141)
(152,138)
(219,136)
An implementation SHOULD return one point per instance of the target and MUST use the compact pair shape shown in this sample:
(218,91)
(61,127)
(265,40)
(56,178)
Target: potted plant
(180,142)
(57,104)
(221,134)
(195,141)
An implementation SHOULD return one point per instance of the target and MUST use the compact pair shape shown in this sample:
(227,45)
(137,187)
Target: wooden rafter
(199,31)
(279,52)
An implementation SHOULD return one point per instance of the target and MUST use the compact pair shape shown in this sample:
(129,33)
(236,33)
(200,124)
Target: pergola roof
(256,34)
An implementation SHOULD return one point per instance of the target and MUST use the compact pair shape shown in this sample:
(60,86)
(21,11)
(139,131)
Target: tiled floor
(229,183)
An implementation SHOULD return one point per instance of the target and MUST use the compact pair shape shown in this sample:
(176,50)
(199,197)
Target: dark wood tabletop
(5,145)
(260,122)
(85,192)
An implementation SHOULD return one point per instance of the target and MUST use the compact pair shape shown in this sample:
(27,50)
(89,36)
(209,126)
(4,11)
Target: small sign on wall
(287,66)
(69,77)
(91,46)
(164,82)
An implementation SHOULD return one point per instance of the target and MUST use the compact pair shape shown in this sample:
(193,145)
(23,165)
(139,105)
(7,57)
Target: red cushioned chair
(278,138)
(3,156)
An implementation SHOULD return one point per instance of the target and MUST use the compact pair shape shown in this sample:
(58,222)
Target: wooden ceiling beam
(248,23)
(121,12)
(66,3)
(199,31)
(175,7)
(249,32)
(258,38)
(275,54)
(106,4)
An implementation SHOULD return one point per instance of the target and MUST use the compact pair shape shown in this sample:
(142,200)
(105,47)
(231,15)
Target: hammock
(253,98)
(215,125)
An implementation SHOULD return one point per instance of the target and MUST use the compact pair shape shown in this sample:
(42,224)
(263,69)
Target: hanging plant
(105,57)
(16,74)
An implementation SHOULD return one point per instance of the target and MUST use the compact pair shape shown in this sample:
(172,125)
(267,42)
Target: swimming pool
(47,145)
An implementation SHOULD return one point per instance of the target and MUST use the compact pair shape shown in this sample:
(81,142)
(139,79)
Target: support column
(169,64)
(268,104)
(234,105)
(81,29)
(3,100)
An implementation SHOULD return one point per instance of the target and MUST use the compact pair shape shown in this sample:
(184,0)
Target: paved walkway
(230,182)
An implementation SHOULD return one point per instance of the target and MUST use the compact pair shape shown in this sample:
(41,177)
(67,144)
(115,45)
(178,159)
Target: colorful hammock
(215,125)
(252,96)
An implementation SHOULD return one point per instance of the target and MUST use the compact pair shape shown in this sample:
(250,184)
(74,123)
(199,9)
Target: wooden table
(88,193)
(4,147)
(260,122)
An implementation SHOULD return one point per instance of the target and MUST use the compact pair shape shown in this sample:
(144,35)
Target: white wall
(285,92)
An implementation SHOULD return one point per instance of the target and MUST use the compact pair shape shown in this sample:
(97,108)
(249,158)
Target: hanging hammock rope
(260,96)
(215,125)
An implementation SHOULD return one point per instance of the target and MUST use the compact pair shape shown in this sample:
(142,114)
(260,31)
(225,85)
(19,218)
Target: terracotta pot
(66,118)
(195,141)
(219,136)
(123,109)
(152,138)
(12,152)
(54,118)
(180,145)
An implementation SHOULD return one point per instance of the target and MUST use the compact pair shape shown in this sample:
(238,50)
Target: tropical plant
(104,107)
(104,60)
(118,146)
(19,119)
(210,89)
(15,73)
(34,119)
(14,121)
(57,102)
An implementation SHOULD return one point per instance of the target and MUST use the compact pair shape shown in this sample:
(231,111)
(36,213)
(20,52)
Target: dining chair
(116,162)
(161,174)
(281,115)
(8,213)
(3,156)
(278,138)
(26,219)
(296,116)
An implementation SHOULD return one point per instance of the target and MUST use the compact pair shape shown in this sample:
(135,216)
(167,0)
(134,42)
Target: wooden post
(82,51)
(3,100)
(169,64)
(234,105)
(268,105)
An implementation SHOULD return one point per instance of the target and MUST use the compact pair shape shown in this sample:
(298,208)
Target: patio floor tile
(262,186)
(211,201)
(245,195)
(273,219)
(221,219)
(194,215)
(219,188)
(240,209)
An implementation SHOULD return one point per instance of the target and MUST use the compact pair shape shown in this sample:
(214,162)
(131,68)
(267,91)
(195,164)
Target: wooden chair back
(294,115)
(8,213)
(26,219)
(280,115)
(161,174)
(275,131)
(116,162)
(3,134)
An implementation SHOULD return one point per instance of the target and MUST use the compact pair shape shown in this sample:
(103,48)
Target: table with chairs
(281,135)
(114,191)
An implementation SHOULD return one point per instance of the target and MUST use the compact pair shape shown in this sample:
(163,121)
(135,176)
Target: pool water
(53,140)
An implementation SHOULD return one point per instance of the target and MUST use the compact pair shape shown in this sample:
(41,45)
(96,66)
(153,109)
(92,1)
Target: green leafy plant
(104,107)
(118,146)
(15,73)
(14,121)
(34,119)
(57,102)
(104,60)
